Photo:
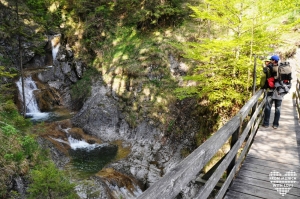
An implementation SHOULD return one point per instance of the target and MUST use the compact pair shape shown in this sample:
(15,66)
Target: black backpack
(283,72)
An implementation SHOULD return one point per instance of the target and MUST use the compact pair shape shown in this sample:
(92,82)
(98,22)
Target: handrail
(170,185)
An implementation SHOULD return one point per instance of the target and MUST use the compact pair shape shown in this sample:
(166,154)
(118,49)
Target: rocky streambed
(131,158)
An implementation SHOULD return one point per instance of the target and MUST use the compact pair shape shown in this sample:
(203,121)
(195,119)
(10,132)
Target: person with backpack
(278,83)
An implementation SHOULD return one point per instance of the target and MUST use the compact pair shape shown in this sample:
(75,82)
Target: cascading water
(32,109)
(55,46)
(81,144)
(87,158)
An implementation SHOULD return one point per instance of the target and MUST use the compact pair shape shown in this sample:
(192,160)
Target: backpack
(267,79)
(283,72)
(271,82)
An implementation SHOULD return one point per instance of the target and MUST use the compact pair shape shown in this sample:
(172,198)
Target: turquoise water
(87,162)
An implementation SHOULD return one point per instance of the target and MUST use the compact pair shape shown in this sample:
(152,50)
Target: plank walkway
(272,150)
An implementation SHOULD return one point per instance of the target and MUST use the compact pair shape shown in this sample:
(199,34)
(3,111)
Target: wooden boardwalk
(273,150)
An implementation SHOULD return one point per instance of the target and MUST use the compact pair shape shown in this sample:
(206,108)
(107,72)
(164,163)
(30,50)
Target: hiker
(276,89)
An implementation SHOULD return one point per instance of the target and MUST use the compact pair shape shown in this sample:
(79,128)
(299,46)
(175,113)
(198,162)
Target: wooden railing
(297,97)
(240,130)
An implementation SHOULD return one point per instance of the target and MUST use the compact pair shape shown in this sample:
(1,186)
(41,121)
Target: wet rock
(37,61)
(94,187)
(151,156)
(19,185)
(47,98)
(66,68)
(60,158)
(120,185)
(79,68)
(56,84)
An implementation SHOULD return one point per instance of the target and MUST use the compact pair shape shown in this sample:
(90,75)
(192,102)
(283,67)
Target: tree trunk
(20,60)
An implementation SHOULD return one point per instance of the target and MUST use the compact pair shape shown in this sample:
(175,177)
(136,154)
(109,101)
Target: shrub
(49,182)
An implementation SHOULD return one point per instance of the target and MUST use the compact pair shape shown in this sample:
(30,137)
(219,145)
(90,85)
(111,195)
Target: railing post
(297,97)
(254,87)
(234,139)
(254,76)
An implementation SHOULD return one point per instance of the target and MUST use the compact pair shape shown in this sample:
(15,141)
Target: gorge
(117,93)
(96,140)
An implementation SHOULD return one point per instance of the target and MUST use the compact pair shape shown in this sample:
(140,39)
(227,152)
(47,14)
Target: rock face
(151,153)
(57,156)
(54,75)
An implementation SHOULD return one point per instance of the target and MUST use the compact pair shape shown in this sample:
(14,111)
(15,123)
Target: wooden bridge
(262,162)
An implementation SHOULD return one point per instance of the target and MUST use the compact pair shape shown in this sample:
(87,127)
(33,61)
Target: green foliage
(12,161)
(82,89)
(236,30)
(48,13)
(18,149)
(9,130)
(28,144)
(3,73)
(6,72)
(10,115)
(49,182)
(155,13)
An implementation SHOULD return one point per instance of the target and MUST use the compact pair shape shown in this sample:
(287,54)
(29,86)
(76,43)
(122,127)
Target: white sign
(283,184)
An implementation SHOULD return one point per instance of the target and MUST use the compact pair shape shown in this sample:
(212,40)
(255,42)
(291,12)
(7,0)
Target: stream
(87,158)
(88,155)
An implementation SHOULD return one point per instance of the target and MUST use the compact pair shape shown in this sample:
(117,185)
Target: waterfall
(89,159)
(79,144)
(82,144)
(55,50)
(32,109)
(55,46)
(124,192)
(86,158)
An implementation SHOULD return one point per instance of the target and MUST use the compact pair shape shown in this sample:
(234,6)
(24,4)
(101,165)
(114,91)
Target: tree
(20,59)
(238,29)
(49,183)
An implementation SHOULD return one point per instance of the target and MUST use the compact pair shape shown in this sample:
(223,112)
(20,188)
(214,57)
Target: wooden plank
(271,150)
(260,176)
(238,195)
(227,182)
(259,191)
(283,139)
(267,163)
(231,175)
(266,169)
(264,153)
(284,145)
(274,136)
(275,156)
(258,144)
(295,191)
(213,180)
(175,180)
